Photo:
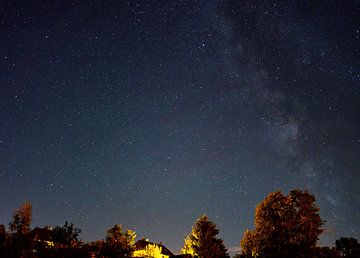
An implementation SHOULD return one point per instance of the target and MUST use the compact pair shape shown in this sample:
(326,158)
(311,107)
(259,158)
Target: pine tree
(202,241)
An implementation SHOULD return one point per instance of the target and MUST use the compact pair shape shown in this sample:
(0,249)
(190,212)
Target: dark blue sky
(152,113)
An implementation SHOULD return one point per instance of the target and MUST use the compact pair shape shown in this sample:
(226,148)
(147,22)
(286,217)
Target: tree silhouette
(2,236)
(202,241)
(325,252)
(348,247)
(22,219)
(66,235)
(285,226)
(118,243)
(19,230)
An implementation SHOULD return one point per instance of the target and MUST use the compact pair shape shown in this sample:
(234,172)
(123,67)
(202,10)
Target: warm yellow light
(150,251)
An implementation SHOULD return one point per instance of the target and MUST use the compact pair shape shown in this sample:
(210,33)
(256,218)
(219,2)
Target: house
(43,236)
(145,248)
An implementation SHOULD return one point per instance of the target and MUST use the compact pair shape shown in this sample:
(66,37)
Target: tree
(325,252)
(202,241)
(66,235)
(241,256)
(119,243)
(20,229)
(250,243)
(348,247)
(151,250)
(95,246)
(285,226)
(188,247)
(22,219)
(2,236)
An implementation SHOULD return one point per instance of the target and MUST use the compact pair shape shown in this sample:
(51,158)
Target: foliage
(118,243)
(188,246)
(150,251)
(348,247)
(21,219)
(240,256)
(66,235)
(2,235)
(285,226)
(20,229)
(325,252)
(202,241)
(153,251)
(95,246)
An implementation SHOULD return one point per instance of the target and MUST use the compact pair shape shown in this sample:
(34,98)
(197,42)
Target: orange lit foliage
(19,229)
(284,225)
(119,243)
(22,217)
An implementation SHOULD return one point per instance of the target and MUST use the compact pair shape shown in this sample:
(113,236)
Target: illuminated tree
(151,251)
(188,246)
(202,241)
(118,243)
(22,217)
(285,226)
(19,230)
(249,244)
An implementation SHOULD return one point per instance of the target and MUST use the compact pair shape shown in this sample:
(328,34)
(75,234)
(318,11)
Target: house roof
(44,234)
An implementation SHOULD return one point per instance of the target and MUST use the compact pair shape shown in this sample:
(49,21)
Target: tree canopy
(22,218)
(284,226)
(202,242)
(348,247)
(19,229)
(119,243)
(67,235)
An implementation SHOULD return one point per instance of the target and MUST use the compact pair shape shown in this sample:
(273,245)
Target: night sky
(151,113)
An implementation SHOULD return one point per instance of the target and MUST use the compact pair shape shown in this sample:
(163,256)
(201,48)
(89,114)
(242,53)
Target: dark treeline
(285,226)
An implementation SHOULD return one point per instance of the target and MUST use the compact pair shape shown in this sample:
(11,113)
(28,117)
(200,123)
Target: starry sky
(152,113)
